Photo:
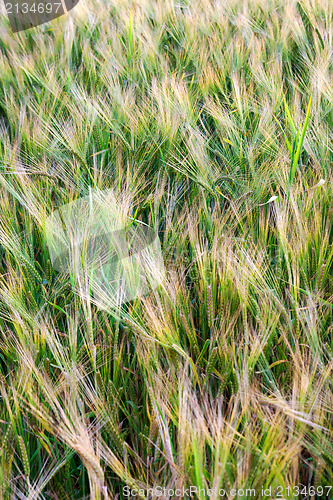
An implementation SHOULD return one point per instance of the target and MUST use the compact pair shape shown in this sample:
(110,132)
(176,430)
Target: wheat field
(212,123)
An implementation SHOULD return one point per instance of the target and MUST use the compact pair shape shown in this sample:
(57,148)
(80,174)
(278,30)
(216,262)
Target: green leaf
(298,147)
(289,117)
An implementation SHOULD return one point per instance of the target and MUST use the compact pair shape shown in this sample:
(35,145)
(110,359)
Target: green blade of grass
(298,147)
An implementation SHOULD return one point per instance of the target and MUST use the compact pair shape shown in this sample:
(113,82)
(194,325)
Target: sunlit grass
(212,122)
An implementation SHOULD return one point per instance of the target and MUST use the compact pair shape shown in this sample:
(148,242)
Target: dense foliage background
(212,121)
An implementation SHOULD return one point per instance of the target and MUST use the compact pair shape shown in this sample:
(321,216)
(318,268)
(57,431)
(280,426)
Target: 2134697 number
(35,8)
(319,491)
